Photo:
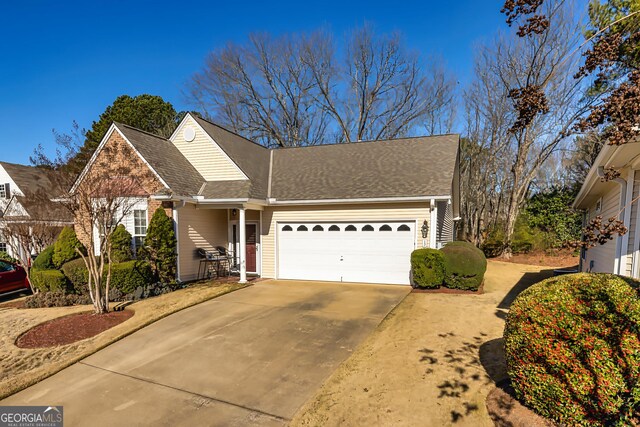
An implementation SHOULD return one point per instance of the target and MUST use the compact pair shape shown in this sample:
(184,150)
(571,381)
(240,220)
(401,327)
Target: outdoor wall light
(234,212)
(424,229)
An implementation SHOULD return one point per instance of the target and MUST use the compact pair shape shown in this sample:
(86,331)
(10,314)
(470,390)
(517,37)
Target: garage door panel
(349,256)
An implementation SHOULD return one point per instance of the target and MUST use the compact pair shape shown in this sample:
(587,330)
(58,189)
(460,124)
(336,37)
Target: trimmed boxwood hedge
(77,273)
(465,265)
(49,280)
(125,276)
(572,347)
(427,268)
(44,260)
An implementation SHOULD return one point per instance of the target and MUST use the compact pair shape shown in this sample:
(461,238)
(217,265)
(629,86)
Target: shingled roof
(406,167)
(37,183)
(409,167)
(182,178)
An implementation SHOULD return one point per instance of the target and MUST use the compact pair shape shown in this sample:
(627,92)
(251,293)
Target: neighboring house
(609,199)
(344,212)
(24,205)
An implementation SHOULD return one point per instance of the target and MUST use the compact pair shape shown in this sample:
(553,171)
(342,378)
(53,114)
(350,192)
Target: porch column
(242,256)
(433,226)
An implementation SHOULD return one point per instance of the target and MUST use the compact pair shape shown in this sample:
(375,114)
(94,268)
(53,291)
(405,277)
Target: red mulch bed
(449,291)
(70,329)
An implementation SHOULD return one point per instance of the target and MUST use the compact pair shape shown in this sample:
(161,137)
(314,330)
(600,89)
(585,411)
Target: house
(26,212)
(613,197)
(342,212)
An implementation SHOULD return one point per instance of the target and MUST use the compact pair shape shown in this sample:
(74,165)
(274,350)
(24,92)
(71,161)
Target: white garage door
(370,252)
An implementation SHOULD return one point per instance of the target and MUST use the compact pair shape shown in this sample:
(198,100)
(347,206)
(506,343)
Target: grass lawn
(431,362)
(21,368)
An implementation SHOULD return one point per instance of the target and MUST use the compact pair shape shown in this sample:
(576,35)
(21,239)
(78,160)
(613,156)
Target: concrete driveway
(250,357)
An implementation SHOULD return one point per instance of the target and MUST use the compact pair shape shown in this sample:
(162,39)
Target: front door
(252,231)
(251,251)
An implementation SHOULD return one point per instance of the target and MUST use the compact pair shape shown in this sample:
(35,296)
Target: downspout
(617,266)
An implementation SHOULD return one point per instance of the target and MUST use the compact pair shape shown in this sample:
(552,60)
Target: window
(3,191)
(367,228)
(3,247)
(5,266)
(334,228)
(287,228)
(404,227)
(302,228)
(318,228)
(385,228)
(351,228)
(139,228)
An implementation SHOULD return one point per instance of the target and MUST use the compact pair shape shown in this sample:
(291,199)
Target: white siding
(628,269)
(13,187)
(205,155)
(199,228)
(603,256)
(445,223)
(417,212)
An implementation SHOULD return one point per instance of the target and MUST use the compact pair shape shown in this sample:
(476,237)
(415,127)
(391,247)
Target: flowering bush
(572,346)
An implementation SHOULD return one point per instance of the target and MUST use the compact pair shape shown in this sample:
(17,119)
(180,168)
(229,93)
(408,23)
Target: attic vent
(189,133)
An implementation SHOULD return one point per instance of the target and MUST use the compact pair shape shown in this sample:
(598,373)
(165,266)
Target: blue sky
(65,61)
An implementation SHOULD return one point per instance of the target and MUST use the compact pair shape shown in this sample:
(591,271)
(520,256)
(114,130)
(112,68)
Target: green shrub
(121,245)
(48,280)
(465,266)
(127,276)
(160,247)
(44,260)
(65,247)
(427,268)
(572,347)
(7,258)
(56,299)
(77,274)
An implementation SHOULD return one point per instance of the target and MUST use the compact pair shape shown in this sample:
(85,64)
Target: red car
(13,278)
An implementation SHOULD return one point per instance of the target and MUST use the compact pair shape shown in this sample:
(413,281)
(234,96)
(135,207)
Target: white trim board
(230,224)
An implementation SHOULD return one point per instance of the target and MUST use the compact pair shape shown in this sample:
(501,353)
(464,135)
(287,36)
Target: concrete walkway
(250,357)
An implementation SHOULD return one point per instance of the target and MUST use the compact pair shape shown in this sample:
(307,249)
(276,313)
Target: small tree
(100,199)
(26,237)
(160,246)
(66,247)
(121,244)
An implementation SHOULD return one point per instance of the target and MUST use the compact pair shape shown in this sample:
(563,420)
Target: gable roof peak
(197,118)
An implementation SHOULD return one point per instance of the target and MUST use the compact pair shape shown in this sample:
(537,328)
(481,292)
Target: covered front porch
(234,227)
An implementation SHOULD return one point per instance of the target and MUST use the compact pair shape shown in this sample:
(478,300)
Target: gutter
(276,202)
(590,180)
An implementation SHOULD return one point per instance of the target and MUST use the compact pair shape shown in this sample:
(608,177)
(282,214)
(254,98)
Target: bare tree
(520,69)
(297,90)
(99,199)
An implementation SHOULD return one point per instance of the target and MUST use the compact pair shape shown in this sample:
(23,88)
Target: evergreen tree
(64,249)
(160,246)
(121,245)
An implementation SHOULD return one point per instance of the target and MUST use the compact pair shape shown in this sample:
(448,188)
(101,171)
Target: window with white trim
(3,191)
(3,247)
(139,228)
